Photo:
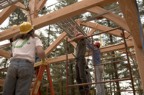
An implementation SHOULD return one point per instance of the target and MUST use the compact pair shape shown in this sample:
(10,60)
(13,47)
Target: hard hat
(25,27)
(97,44)
(78,33)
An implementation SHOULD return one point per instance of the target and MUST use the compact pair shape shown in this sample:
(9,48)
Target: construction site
(122,57)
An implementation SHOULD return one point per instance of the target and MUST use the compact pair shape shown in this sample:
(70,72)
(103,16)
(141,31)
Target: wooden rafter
(129,9)
(78,8)
(32,8)
(103,28)
(40,4)
(20,5)
(55,43)
(5,54)
(118,20)
(6,12)
(7,34)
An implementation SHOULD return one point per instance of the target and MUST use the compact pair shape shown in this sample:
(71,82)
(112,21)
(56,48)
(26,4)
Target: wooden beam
(69,11)
(140,60)
(9,33)
(40,5)
(71,57)
(117,47)
(115,18)
(72,43)
(6,12)
(33,11)
(131,15)
(20,5)
(55,43)
(103,28)
(5,54)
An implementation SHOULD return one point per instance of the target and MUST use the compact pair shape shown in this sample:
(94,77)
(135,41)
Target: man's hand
(43,62)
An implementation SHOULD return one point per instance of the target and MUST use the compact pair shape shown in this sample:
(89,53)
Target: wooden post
(140,60)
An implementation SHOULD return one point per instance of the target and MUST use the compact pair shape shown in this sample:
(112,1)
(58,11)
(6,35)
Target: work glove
(43,62)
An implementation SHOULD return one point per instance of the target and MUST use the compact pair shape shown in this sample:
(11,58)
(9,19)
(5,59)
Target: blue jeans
(100,90)
(19,77)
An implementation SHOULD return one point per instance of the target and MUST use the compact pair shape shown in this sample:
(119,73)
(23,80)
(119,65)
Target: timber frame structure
(130,23)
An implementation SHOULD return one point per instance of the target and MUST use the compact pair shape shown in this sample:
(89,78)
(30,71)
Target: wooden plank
(140,60)
(9,33)
(115,18)
(55,43)
(20,5)
(69,11)
(32,7)
(5,54)
(117,47)
(130,11)
(6,12)
(103,28)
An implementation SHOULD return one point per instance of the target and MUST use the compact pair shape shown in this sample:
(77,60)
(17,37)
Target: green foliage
(17,17)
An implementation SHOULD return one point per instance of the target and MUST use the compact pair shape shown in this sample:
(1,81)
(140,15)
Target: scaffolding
(70,23)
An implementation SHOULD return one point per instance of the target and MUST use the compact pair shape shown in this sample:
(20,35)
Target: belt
(19,59)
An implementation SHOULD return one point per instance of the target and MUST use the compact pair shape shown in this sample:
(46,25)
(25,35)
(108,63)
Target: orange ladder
(36,87)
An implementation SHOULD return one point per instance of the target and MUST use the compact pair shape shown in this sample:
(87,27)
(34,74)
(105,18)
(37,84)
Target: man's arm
(40,52)
(77,38)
